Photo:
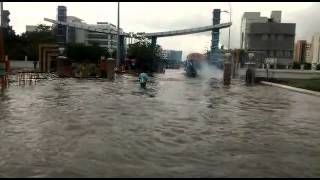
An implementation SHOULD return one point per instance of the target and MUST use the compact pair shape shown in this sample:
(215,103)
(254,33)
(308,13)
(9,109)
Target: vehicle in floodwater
(193,64)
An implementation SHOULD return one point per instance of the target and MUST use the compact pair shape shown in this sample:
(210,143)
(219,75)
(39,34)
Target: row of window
(102,42)
(102,36)
(279,37)
(281,53)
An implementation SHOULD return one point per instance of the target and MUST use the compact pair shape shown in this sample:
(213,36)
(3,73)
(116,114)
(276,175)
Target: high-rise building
(247,19)
(315,48)
(300,51)
(254,17)
(268,39)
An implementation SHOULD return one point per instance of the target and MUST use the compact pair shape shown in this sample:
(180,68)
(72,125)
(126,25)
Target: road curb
(315,93)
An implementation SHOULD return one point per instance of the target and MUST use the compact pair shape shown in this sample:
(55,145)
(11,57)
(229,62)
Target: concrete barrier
(315,93)
(283,73)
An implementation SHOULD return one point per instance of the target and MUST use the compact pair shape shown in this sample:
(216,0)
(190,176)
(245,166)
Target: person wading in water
(143,79)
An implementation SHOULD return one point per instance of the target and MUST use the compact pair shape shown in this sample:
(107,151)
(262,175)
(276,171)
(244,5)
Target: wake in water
(209,71)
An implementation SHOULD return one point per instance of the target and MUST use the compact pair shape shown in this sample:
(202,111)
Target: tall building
(172,57)
(254,17)
(315,46)
(77,35)
(247,19)
(269,39)
(300,51)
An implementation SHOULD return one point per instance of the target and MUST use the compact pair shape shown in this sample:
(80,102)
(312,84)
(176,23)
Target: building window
(280,37)
(264,37)
(272,37)
(271,53)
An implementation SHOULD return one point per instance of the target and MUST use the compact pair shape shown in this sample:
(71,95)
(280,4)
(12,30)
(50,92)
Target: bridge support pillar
(215,36)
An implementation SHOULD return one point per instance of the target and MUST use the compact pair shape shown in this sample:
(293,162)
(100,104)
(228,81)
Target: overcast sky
(162,16)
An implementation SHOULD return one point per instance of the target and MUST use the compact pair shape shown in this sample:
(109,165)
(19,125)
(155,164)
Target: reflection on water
(177,127)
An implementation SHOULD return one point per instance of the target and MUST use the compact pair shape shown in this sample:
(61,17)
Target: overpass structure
(147,35)
(215,27)
(185,31)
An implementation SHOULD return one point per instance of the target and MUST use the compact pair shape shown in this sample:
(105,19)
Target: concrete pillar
(227,69)
(215,34)
(111,64)
(251,74)
(301,66)
(227,74)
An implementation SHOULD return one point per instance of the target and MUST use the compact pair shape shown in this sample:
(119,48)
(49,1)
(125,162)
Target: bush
(307,66)
(296,65)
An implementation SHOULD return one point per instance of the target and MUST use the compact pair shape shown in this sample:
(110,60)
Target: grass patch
(309,84)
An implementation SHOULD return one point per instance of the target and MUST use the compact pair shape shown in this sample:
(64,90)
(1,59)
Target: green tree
(296,65)
(43,34)
(307,66)
(26,44)
(147,58)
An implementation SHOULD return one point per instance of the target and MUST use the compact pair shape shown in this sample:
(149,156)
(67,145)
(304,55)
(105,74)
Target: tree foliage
(147,58)
(307,66)
(26,44)
(296,65)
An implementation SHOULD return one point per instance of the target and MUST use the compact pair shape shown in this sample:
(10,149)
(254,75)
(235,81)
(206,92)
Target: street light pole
(118,42)
(229,26)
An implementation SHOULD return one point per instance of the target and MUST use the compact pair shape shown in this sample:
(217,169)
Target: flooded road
(177,127)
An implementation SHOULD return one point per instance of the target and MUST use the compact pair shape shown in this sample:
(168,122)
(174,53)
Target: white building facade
(315,48)
(308,57)
(106,41)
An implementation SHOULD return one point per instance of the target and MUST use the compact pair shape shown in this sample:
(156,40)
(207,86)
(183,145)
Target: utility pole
(118,42)
(230,14)
(1,34)
(3,63)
